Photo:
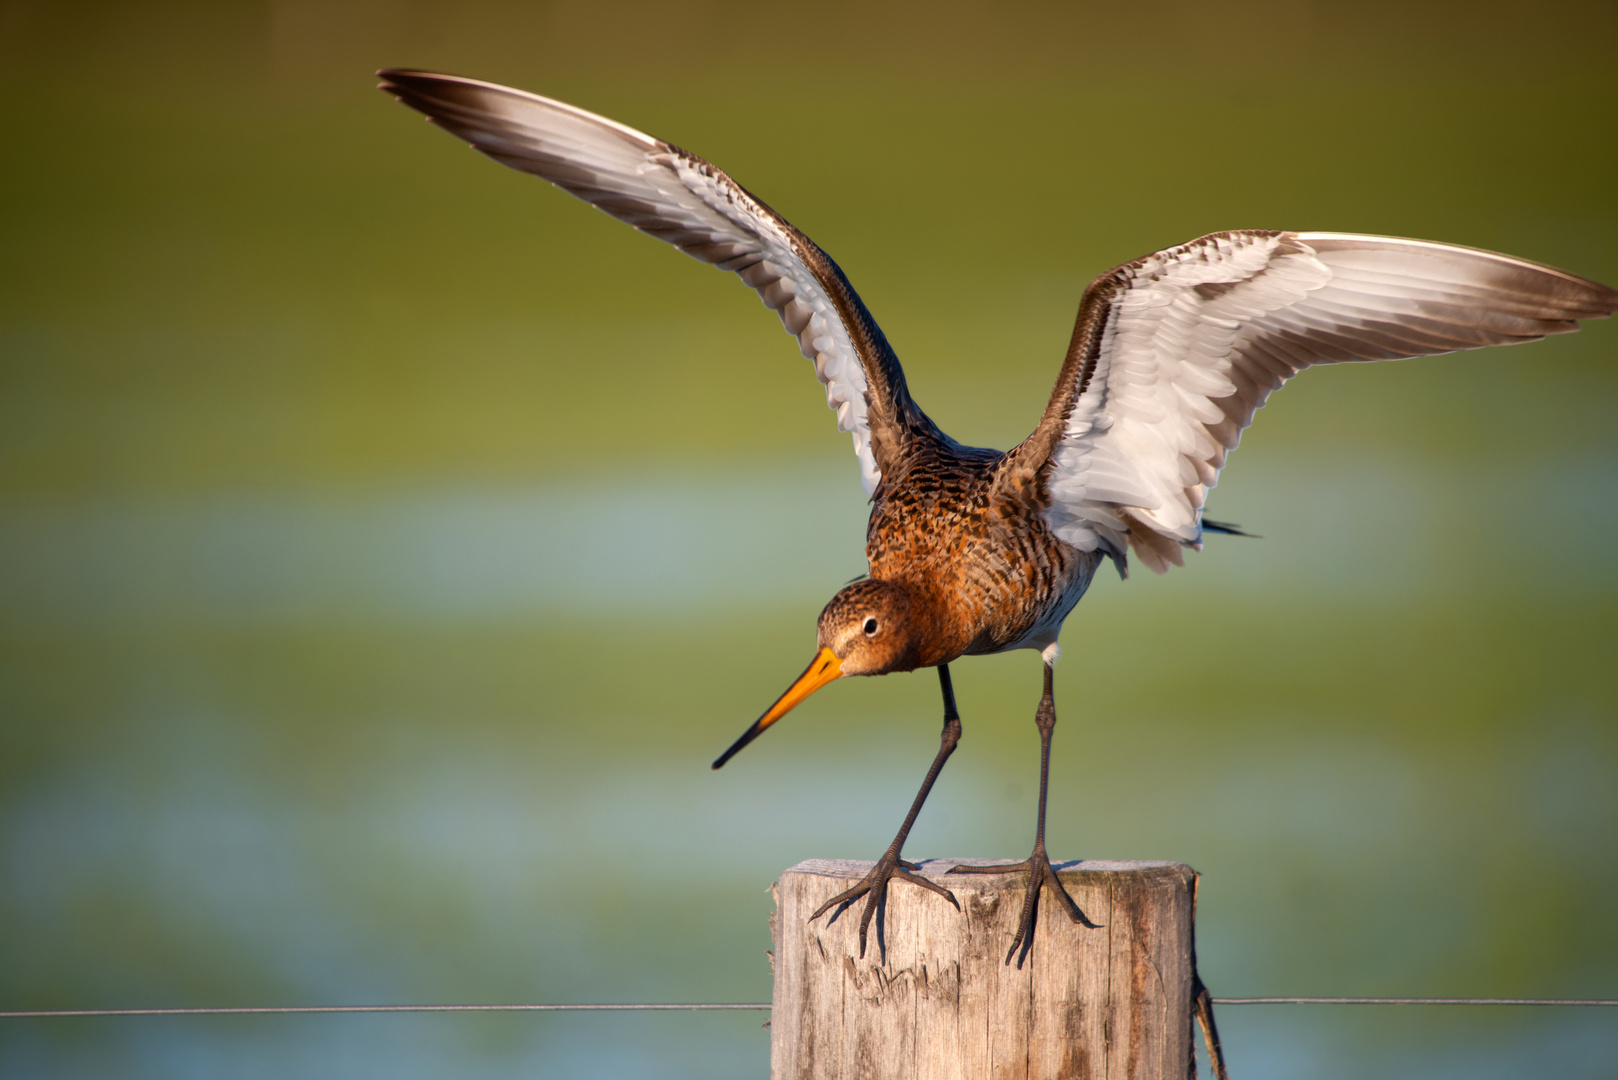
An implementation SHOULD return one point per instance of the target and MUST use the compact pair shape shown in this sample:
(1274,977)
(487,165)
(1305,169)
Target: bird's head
(867,629)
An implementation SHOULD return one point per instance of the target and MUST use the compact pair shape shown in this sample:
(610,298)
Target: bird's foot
(1040,874)
(874,887)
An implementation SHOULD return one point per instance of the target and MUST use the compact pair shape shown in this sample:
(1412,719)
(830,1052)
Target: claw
(930,886)
(997,868)
(1040,874)
(1073,910)
(874,887)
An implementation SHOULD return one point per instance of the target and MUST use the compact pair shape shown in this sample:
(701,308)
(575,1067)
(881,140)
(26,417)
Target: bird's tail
(1211,526)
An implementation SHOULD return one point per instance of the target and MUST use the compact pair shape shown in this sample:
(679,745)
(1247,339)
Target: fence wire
(724,1006)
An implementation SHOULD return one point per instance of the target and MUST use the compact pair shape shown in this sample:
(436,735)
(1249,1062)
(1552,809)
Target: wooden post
(1108,1003)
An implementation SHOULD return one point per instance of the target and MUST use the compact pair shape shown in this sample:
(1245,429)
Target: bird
(973,551)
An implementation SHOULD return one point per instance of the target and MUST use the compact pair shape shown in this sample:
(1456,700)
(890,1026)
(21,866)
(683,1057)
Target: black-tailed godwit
(976,551)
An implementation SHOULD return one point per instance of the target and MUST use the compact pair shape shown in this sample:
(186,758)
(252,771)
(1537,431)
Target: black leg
(874,886)
(1038,864)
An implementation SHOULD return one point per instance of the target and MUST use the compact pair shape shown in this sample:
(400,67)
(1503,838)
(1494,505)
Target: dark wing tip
(425,91)
(408,76)
(419,88)
(412,86)
(401,80)
(1606,299)
(1564,297)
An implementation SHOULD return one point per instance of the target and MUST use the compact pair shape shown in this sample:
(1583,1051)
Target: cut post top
(857,868)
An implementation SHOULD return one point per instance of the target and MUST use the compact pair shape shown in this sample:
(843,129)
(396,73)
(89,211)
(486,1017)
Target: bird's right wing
(678,197)
(1173,353)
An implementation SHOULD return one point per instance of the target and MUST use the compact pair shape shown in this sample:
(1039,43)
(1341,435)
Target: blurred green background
(388,542)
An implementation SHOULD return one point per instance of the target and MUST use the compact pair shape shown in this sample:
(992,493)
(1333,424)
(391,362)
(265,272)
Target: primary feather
(1174,352)
(679,198)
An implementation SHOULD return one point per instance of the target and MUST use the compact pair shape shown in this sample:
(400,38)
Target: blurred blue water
(664,542)
(177,837)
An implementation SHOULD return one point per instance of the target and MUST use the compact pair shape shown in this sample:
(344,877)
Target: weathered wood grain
(1102,1004)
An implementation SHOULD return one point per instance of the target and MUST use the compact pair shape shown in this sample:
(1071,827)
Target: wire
(255,1010)
(251,1010)
(1411,1001)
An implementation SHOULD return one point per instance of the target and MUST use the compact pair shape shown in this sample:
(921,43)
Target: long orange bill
(821,670)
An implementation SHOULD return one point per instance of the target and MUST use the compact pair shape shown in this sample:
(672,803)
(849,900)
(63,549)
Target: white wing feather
(667,193)
(1195,338)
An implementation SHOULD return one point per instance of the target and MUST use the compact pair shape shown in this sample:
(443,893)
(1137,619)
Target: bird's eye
(870,628)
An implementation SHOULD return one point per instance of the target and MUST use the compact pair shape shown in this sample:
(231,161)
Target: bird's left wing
(1174,352)
(678,197)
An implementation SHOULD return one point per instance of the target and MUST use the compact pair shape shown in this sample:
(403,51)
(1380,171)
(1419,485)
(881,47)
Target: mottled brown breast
(985,569)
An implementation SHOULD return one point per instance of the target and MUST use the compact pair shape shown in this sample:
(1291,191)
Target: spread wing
(1174,352)
(678,197)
